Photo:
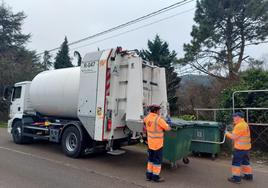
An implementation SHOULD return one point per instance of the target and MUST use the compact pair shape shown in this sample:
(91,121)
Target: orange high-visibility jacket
(155,127)
(241,136)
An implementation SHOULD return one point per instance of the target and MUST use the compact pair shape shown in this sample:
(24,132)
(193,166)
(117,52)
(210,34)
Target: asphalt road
(44,165)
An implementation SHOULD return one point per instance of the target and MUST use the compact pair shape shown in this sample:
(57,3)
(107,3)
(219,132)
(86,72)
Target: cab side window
(16,93)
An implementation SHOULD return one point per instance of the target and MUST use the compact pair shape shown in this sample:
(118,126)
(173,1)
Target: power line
(135,29)
(147,16)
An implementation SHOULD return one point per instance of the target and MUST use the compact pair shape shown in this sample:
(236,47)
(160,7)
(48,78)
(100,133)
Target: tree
(158,52)
(16,62)
(223,30)
(198,91)
(62,59)
(255,63)
(47,63)
(11,36)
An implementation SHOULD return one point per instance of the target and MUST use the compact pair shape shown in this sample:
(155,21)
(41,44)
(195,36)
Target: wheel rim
(17,132)
(71,142)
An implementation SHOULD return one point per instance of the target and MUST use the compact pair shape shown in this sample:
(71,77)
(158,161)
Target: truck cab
(19,102)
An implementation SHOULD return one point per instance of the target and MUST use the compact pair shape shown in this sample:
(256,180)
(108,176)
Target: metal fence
(259,130)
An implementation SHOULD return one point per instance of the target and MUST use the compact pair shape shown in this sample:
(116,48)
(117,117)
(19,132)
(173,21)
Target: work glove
(143,140)
(222,127)
(173,128)
(169,122)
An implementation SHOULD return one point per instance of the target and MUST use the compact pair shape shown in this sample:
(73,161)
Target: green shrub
(187,117)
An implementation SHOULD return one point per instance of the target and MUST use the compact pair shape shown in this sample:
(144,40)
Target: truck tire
(71,142)
(17,134)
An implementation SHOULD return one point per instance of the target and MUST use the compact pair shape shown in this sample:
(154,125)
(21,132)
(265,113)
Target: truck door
(154,87)
(16,101)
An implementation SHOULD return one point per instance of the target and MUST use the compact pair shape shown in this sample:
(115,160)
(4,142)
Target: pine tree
(158,52)
(62,59)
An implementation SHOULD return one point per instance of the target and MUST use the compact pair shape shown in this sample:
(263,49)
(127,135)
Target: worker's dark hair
(154,108)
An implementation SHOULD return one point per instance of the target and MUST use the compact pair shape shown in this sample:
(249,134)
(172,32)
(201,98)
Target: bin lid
(207,123)
(181,123)
(176,122)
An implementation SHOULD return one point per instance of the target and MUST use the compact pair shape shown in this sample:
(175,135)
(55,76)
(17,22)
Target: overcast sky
(50,20)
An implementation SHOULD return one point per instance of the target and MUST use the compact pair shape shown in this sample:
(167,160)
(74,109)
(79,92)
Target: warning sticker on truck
(99,112)
(102,62)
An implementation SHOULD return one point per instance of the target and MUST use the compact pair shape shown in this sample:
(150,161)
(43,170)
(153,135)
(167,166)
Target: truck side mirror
(7,93)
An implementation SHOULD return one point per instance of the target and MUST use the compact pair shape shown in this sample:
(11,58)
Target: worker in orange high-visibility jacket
(155,127)
(242,144)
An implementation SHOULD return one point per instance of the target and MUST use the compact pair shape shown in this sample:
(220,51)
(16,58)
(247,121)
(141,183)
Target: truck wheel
(71,143)
(17,134)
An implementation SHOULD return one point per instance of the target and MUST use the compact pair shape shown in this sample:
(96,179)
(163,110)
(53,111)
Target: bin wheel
(185,160)
(195,154)
(173,165)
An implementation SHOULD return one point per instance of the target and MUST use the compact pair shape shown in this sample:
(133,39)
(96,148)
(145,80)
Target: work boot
(233,180)
(149,176)
(247,177)
(160,179)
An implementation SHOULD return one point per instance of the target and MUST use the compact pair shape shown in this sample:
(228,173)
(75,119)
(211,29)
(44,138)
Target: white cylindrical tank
(55,92)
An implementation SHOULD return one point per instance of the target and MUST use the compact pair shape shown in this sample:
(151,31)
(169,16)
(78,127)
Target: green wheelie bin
(177,142)
(206,138)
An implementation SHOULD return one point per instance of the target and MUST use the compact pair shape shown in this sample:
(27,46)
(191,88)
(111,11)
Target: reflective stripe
(244,138)
(156,169)
(240,138)
(153,132)
(150,167)
(246,169)
(243,143)
(155,125)
(156,136)
(236,171)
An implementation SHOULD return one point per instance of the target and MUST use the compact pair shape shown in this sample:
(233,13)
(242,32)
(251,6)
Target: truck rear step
(116,152)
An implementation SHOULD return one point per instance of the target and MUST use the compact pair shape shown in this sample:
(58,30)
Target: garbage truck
(99,105)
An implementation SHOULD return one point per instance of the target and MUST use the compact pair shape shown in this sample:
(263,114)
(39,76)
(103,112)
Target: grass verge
(3,125)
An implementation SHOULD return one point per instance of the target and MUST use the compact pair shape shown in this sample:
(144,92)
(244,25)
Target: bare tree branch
(204,70)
